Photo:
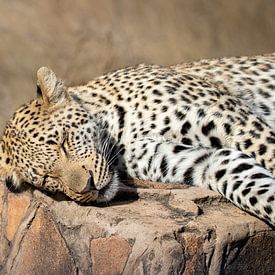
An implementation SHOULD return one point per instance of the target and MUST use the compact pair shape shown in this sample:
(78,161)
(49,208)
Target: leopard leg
(235,175)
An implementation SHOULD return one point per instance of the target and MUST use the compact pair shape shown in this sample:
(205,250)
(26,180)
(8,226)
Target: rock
(179,231)
(43,250)
(17,207)
(109,255)
(242,260)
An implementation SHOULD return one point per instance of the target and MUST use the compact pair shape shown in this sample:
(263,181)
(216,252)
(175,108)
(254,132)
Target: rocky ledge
(145,231)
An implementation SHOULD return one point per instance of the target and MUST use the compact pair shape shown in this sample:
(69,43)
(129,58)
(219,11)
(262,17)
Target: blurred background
(86,38)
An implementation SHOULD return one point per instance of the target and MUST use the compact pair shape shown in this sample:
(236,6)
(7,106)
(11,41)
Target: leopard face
(53,143)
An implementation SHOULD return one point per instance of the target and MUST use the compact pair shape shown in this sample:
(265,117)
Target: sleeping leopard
(209,123)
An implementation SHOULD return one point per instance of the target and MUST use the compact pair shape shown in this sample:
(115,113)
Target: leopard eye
(51,142)
(63,146)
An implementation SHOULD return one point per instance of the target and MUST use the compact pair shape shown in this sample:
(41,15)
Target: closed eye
(63,146)
(51,142)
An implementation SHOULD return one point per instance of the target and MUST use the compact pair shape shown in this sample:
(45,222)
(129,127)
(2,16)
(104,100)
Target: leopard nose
(90,185)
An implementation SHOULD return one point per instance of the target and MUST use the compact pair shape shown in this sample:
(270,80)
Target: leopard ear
(51,88)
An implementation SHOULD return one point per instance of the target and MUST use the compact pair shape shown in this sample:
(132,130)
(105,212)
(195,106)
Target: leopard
(208,123)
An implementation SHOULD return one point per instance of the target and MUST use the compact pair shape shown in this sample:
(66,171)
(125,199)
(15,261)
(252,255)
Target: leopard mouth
(92,195)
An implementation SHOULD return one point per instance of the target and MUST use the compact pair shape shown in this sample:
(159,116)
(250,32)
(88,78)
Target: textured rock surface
(109,255)
(144,231)
(42,249)
(17,207)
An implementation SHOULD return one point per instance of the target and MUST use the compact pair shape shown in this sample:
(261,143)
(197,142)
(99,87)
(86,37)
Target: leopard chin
(108,192)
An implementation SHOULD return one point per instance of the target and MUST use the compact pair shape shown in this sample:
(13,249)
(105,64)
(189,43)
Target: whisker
(110,161)
(107,143)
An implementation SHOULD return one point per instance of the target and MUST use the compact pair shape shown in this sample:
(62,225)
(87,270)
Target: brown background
(85,38)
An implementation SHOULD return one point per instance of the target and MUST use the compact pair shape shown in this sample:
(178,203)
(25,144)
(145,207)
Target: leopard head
(55,144)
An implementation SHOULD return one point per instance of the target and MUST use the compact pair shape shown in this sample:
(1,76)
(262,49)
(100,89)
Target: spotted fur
(209,123)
